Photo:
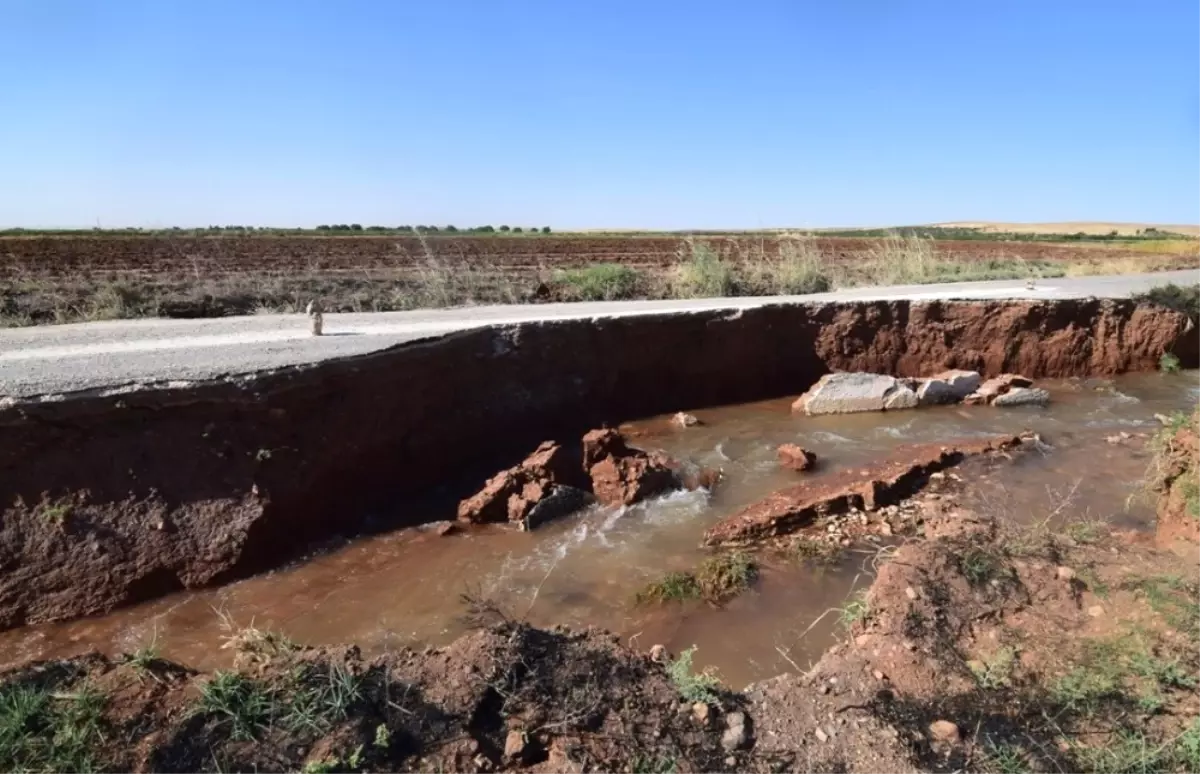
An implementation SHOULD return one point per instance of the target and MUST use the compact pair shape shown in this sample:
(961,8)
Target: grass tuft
(717,579)
(40,731)
(702,272)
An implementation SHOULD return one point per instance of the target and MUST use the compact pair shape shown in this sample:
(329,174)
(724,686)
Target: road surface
(59,359)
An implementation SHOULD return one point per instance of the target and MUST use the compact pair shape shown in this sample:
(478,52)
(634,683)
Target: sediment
(116,497)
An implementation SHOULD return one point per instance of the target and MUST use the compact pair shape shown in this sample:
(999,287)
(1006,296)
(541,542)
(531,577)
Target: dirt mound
(1176,474)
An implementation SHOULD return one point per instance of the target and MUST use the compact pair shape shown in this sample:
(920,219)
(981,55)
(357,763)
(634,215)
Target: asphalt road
(60,359)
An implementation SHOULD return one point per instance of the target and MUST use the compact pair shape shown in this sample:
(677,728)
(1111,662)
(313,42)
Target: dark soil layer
(116,498)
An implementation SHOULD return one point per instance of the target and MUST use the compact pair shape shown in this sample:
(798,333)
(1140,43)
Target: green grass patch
(1170,363)
(41,731)
(601,282)
(703,273)
(718,578)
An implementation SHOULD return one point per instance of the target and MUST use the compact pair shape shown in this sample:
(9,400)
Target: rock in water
(1023,396)
(948,387)
(845,393)
(795,457)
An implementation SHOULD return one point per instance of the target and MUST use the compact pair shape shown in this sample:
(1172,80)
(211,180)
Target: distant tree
(545,229)
(504,228)
(323,227)
(356,227)
(485,230)
(451,229)
(433,229)
(422,228)
(516,229)
(405,229)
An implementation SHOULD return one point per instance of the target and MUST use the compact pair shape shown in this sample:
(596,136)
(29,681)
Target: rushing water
(406,588)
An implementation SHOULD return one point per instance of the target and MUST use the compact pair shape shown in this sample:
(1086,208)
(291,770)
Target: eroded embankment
(119,498)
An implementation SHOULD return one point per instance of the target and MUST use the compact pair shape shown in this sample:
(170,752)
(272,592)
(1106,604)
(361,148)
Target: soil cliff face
(112,499)
(1177,468)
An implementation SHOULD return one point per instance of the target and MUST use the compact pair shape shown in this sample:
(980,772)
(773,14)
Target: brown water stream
(404,588)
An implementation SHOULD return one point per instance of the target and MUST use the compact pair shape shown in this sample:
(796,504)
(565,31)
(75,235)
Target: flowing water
(407,587)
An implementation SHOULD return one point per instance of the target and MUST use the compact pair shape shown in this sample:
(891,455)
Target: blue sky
(608,113)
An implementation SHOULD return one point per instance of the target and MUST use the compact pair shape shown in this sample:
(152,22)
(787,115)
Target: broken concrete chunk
(948,387)
(900,397)
(995,387)
(844,393)
(1023,396)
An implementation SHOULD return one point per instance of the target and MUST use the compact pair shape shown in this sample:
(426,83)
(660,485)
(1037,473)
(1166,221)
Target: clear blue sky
(598,113)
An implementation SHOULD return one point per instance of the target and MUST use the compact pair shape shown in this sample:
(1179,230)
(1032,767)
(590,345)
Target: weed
(40,731)
(718,578)
(980,565)
(321,697)
(146,656)
(702,272)
(1181,298)
(1085,531)
(1134,751)
(322,766)
(854,610)
(54,512)
(674,587)
(262,643)
(602,282)
(1171,597)
(817,551)
(701,686)
(1004,759)
(657,764)
(726,575)
(1169,363)
(383,737)
(243,703)
(797,268)
(995,672)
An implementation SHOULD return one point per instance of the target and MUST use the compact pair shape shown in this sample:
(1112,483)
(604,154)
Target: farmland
(73,276)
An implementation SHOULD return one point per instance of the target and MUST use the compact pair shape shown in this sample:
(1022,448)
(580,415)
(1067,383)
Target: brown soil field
(70,278)
(216,256)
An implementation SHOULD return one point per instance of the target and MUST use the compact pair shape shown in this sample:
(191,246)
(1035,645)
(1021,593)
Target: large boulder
(622,475)
(541,487)
(845,393)
(947,387)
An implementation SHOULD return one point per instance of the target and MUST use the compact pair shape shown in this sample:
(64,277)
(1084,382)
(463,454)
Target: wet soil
(406,588)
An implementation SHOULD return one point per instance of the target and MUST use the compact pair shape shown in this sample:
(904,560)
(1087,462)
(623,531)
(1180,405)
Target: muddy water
(406,588)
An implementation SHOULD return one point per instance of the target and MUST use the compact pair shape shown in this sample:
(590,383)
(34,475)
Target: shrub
(545,229)
(797,269)
(602,282)
(1169,363)
(702,272)
(703,686)
(504,228)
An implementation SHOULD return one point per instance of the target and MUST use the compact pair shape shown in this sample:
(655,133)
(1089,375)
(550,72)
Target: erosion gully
(406,587)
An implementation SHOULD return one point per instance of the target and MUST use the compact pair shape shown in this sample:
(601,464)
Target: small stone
(937,476)
(659,654)
(482,762)
(910,592)
(684,419)
(1065,574)
(735,731)
(885,529)
(447,528)
(824,689)
(862,640)
(944,731)
(514,744)
(821,735)
(700,712)
(879,675)
(1095,611)
(730,762)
